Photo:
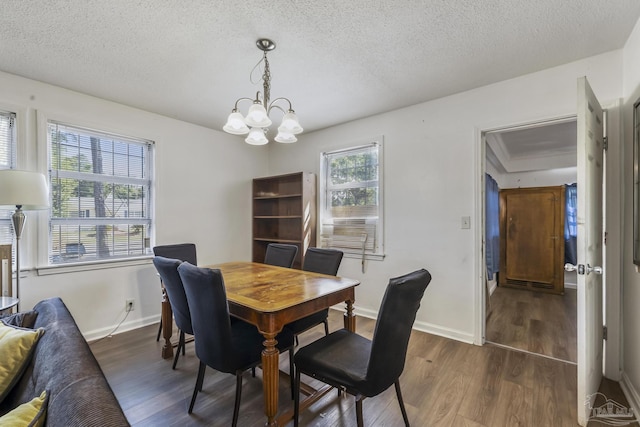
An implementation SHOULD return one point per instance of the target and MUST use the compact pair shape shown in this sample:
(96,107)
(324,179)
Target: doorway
(540,156)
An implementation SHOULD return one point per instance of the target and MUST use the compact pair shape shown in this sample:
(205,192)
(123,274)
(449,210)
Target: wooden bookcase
(284,211)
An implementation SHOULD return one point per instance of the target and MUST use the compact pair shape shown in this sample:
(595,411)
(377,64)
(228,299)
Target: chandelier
(257,121)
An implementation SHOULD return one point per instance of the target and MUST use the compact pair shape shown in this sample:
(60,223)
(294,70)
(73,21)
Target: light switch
(466,222)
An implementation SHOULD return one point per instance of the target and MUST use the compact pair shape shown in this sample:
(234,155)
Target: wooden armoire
(532,238)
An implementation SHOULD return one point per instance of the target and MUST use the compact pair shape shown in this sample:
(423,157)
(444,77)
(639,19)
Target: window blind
(100,191)
(7,161)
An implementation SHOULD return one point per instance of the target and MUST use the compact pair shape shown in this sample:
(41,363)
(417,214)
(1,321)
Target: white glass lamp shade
(235,124)
(23,188)
(257,117)
(256,137)
(290,124)
(285,137)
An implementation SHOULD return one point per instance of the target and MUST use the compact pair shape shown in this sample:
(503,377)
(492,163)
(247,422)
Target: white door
(590,237)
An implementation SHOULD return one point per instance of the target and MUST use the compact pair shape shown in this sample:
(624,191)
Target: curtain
(571,224)
(492,225)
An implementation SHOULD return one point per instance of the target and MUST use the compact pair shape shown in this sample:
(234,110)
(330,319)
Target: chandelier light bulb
(290,123)
(257,117)
(285,137)
(235,124)
(256,137)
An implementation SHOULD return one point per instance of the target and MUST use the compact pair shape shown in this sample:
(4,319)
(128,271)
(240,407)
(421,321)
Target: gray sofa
(63,364)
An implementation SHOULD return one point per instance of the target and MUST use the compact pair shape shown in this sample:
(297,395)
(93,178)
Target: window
(7,161)
(351,200)
(100,195)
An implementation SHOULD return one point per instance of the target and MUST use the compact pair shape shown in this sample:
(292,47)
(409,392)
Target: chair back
(393,329)
(280,255)
(181,251)
(168,270)
(324,261)
(207,299)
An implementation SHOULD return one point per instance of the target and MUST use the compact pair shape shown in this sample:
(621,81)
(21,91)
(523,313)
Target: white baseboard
(570,285)
(492,289)
(420,326)
(124,327)
(630,393)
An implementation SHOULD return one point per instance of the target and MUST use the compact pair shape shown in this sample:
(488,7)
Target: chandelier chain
(266,78)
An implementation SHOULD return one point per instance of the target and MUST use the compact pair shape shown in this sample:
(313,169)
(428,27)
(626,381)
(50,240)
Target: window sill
(370,257)
(93,265)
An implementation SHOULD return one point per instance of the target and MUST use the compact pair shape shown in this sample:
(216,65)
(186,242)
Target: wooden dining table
(270,297)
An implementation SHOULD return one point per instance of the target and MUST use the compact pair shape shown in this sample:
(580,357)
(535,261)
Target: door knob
(581,269)
(597,270)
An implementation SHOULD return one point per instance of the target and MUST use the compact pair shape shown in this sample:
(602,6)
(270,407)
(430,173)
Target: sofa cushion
(30,414)
(16,348)
(25,319)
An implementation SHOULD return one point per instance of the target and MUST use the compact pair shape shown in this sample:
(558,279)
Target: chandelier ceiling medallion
(257,121)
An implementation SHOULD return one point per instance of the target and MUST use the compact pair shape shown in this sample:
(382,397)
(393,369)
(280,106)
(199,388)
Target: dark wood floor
(534,321)
(445,383)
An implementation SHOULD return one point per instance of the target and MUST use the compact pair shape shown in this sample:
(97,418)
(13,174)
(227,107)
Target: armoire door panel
(532,245)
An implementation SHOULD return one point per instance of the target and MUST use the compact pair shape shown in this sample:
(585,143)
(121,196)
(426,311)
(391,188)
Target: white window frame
(46,266)
(374,250)
(11,145)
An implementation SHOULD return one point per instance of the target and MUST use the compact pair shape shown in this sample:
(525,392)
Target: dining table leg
(349,317)
(270,375)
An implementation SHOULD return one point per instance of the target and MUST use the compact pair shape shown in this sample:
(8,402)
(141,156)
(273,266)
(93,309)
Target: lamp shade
(23,188)
(256,137)
(285,137)
(290,124)
(257,117)
(235,124)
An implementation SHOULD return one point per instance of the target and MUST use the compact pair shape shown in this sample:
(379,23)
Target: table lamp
(22,190)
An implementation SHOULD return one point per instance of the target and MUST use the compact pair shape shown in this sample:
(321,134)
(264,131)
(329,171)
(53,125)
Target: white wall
(631,278)
(203,187)
(432,155)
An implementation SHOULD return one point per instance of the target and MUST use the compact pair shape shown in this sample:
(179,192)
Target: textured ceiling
(550,145)
(336,60)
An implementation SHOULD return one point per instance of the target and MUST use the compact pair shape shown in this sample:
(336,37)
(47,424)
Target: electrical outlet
(129,305)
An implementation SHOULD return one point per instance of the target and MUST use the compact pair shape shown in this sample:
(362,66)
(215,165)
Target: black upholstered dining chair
(324,261)
(181,251)
(168,270)
(281,255)
(362,367)
(231,347)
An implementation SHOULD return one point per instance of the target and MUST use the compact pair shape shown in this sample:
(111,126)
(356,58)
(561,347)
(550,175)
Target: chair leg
(359,400)
(297,342)
(404,411)
(326,326)
(236,406)
(159,331)
(180,346)
(198,386)
(296,399)
(291,372)
(253,372)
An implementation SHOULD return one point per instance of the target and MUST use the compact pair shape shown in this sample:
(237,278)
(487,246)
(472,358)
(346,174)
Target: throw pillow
(16,349)
(30,414)
(25,319)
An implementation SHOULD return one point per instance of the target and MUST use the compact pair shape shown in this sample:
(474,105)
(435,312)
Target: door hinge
(605,143)
(604,332)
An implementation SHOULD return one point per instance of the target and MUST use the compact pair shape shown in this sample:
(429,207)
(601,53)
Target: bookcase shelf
(284,211)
